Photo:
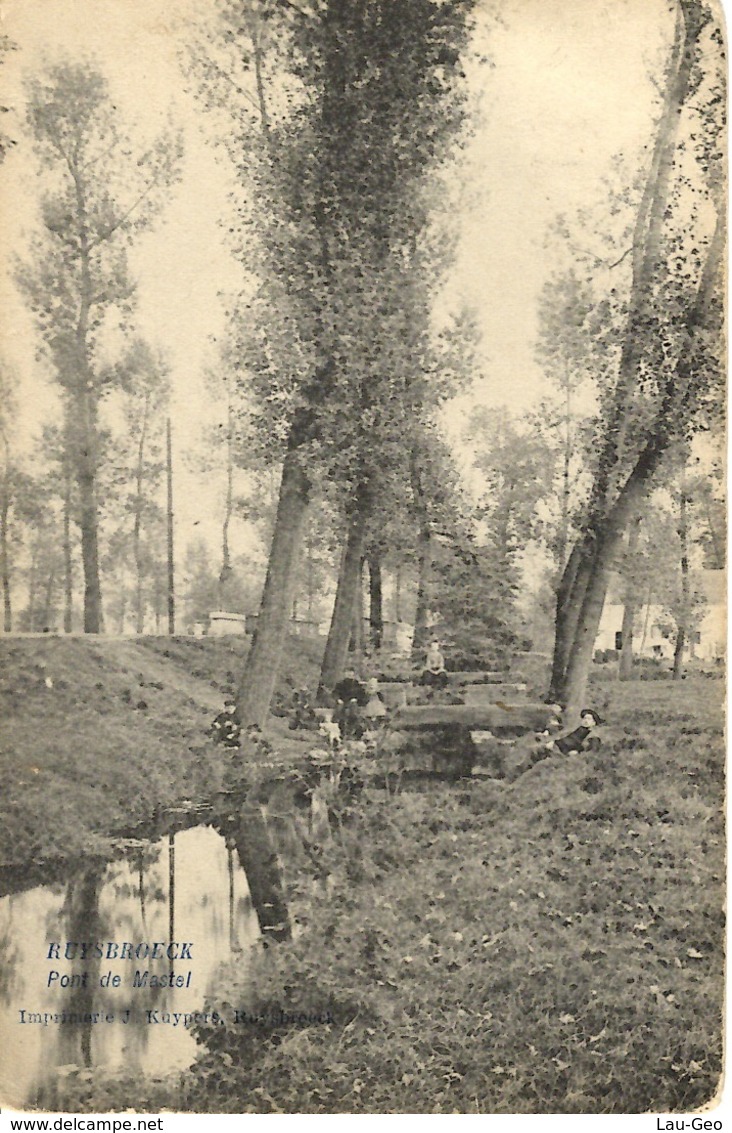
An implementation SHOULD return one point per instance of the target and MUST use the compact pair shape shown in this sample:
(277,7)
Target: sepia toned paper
(151,904)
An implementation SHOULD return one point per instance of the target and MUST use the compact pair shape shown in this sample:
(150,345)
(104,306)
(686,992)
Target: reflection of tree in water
(248,833)
(134,882)
(234,944)
(80,920)
(134,898)
(84,923)
(144,859)
(140,889)
(59,890)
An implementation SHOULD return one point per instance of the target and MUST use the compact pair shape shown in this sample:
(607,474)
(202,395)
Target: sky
(569,87)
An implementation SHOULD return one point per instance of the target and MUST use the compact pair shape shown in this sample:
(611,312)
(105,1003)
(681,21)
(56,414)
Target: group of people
(354,707)
(357,706)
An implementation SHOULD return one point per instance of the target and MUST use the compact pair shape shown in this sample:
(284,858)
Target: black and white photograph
(363,558)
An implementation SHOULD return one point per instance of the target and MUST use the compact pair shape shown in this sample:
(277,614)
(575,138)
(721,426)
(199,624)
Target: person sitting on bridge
(375,708)
(226,728)
(434,674)
(350,696)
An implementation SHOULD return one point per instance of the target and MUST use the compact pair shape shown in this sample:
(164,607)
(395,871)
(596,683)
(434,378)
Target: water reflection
(256,852)
(80,913)
(188,887)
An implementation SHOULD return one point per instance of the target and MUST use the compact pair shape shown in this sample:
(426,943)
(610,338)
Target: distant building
(221,622)
(652,636)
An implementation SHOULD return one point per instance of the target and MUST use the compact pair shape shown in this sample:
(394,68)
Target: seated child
(375,707)
(350,696)
(226,728)
(433,674)
(329,728)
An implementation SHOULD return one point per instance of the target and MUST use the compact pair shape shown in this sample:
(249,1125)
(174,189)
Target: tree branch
(624,256)
(105,235)
(240,90)
(93,160)
(300,12)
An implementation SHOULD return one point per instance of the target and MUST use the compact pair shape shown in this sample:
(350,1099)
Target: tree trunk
(170,517)
(349,580)
(137,523)
(356,643)
(398,593)
(424,551)
(678,669)
(5,562)
(424,573)
(122,607)
(625,667)
(376,605)
(563,542)
(646,618)
(84,410)
(68,569)
(157,600)
(682,631)
(310,576)
(647,241)
(263,662)
(574,685)
(570,596)
(625,664)
(90,551)
(48,598)
(605,548)
(32,590)
(225,572)
(86,477)
(717,541)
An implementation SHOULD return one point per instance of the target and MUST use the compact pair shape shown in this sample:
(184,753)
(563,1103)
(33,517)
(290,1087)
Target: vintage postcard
(362,543)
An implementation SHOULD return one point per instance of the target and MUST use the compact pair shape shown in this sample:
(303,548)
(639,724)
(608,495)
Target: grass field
(552,945)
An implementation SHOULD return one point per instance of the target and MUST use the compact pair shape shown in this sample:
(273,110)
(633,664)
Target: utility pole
(171,566)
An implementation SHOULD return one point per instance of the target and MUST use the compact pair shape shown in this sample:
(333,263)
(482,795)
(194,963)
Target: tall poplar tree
(668,379)
(102,191)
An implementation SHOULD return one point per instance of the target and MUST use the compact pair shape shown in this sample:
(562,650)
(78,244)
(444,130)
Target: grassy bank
(97,735)
(550,945)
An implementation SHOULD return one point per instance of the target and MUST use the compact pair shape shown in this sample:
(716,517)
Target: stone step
(394,694)
(491,694)
(526,717)
(473,678)
(486,677)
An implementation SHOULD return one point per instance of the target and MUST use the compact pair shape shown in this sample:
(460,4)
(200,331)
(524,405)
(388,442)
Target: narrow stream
(187,887)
